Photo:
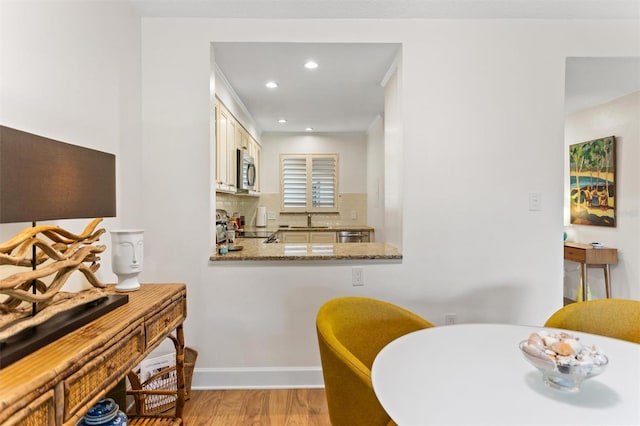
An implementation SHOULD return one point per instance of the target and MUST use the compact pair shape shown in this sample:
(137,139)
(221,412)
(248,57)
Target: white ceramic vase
(126,257)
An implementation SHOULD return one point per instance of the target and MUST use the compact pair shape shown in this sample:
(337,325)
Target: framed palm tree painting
(592,172)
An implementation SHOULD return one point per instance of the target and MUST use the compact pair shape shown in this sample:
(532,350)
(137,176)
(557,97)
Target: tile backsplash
(352,209)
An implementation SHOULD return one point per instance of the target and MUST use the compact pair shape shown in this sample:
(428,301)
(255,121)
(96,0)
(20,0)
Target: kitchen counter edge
(332,228)
(257,250)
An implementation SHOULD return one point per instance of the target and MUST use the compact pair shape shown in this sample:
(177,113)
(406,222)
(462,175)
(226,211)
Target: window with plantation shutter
(294,182)
(323,182)
(309,182)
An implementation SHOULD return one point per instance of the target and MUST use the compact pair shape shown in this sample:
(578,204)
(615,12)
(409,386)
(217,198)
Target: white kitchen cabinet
(257,158)
(221,145)
(231,136)
(307,237)
(245,138)
(322,237)
(226,129)
(294,237)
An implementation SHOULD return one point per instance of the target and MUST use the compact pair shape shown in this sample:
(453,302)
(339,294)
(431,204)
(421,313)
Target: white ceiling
(593,81)
(344,93)
(390,9)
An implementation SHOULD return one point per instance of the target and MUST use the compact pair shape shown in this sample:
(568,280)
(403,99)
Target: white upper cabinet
(231,136)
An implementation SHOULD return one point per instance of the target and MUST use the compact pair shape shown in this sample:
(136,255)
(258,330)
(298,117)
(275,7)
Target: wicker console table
(58,383)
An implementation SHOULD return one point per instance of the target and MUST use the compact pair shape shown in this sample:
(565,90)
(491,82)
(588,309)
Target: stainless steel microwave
(246,171)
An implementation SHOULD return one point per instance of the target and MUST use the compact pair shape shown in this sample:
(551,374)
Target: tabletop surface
(475,374)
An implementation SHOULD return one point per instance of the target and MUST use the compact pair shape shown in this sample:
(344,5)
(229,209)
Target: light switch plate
(535,201)
(357,276)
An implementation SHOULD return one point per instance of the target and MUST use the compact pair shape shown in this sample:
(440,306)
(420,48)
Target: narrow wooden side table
(590,257)
(58,383)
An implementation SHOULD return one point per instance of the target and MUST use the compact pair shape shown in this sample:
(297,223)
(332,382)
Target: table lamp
(44,179)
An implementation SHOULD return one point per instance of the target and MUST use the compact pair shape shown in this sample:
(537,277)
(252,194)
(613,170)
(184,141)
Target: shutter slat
(321,183)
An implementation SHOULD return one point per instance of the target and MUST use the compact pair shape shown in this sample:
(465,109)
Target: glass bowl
(563,374)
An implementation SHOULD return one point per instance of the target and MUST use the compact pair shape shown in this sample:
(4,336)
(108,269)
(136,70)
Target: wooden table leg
(180,373)
(583,273)
(607,282)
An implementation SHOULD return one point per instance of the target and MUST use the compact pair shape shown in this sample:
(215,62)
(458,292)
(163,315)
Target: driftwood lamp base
(33,309)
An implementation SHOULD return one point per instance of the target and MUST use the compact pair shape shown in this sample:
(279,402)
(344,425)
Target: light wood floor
(262,407)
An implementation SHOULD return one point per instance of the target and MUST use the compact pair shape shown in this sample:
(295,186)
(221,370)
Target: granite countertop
(256,249)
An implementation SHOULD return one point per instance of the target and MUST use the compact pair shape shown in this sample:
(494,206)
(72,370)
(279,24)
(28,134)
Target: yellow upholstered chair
(618,318)
(351,332)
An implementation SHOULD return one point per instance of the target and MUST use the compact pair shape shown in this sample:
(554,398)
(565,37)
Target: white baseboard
(257,378)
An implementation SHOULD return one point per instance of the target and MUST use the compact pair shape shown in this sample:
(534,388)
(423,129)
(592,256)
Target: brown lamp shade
(43,179)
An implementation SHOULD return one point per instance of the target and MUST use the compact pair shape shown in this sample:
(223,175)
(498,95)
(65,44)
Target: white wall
(482,115)
(66,74)
(394,190)
(375,177)
(619,118)
(350,147)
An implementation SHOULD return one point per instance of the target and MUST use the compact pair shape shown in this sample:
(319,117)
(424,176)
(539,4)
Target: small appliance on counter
(222,220)
(233,223)
(261,217)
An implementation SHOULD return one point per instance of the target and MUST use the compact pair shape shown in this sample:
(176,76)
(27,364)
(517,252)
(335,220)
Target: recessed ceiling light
(282,121)
(311,65)
(271,84)
(308,129)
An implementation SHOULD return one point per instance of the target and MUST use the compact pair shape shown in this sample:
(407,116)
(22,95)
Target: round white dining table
(475,374)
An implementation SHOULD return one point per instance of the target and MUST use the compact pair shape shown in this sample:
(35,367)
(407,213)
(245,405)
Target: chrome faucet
(309,219)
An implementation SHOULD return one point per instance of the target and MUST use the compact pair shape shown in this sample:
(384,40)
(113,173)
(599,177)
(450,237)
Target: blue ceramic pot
(105,413)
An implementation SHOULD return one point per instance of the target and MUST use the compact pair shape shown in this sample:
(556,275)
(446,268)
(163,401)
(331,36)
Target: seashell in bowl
(563,360)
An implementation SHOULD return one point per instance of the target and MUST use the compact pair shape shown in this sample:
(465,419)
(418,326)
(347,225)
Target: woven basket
(157,394)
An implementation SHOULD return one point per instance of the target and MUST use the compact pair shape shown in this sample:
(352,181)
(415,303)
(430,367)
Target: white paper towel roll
(261,217)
